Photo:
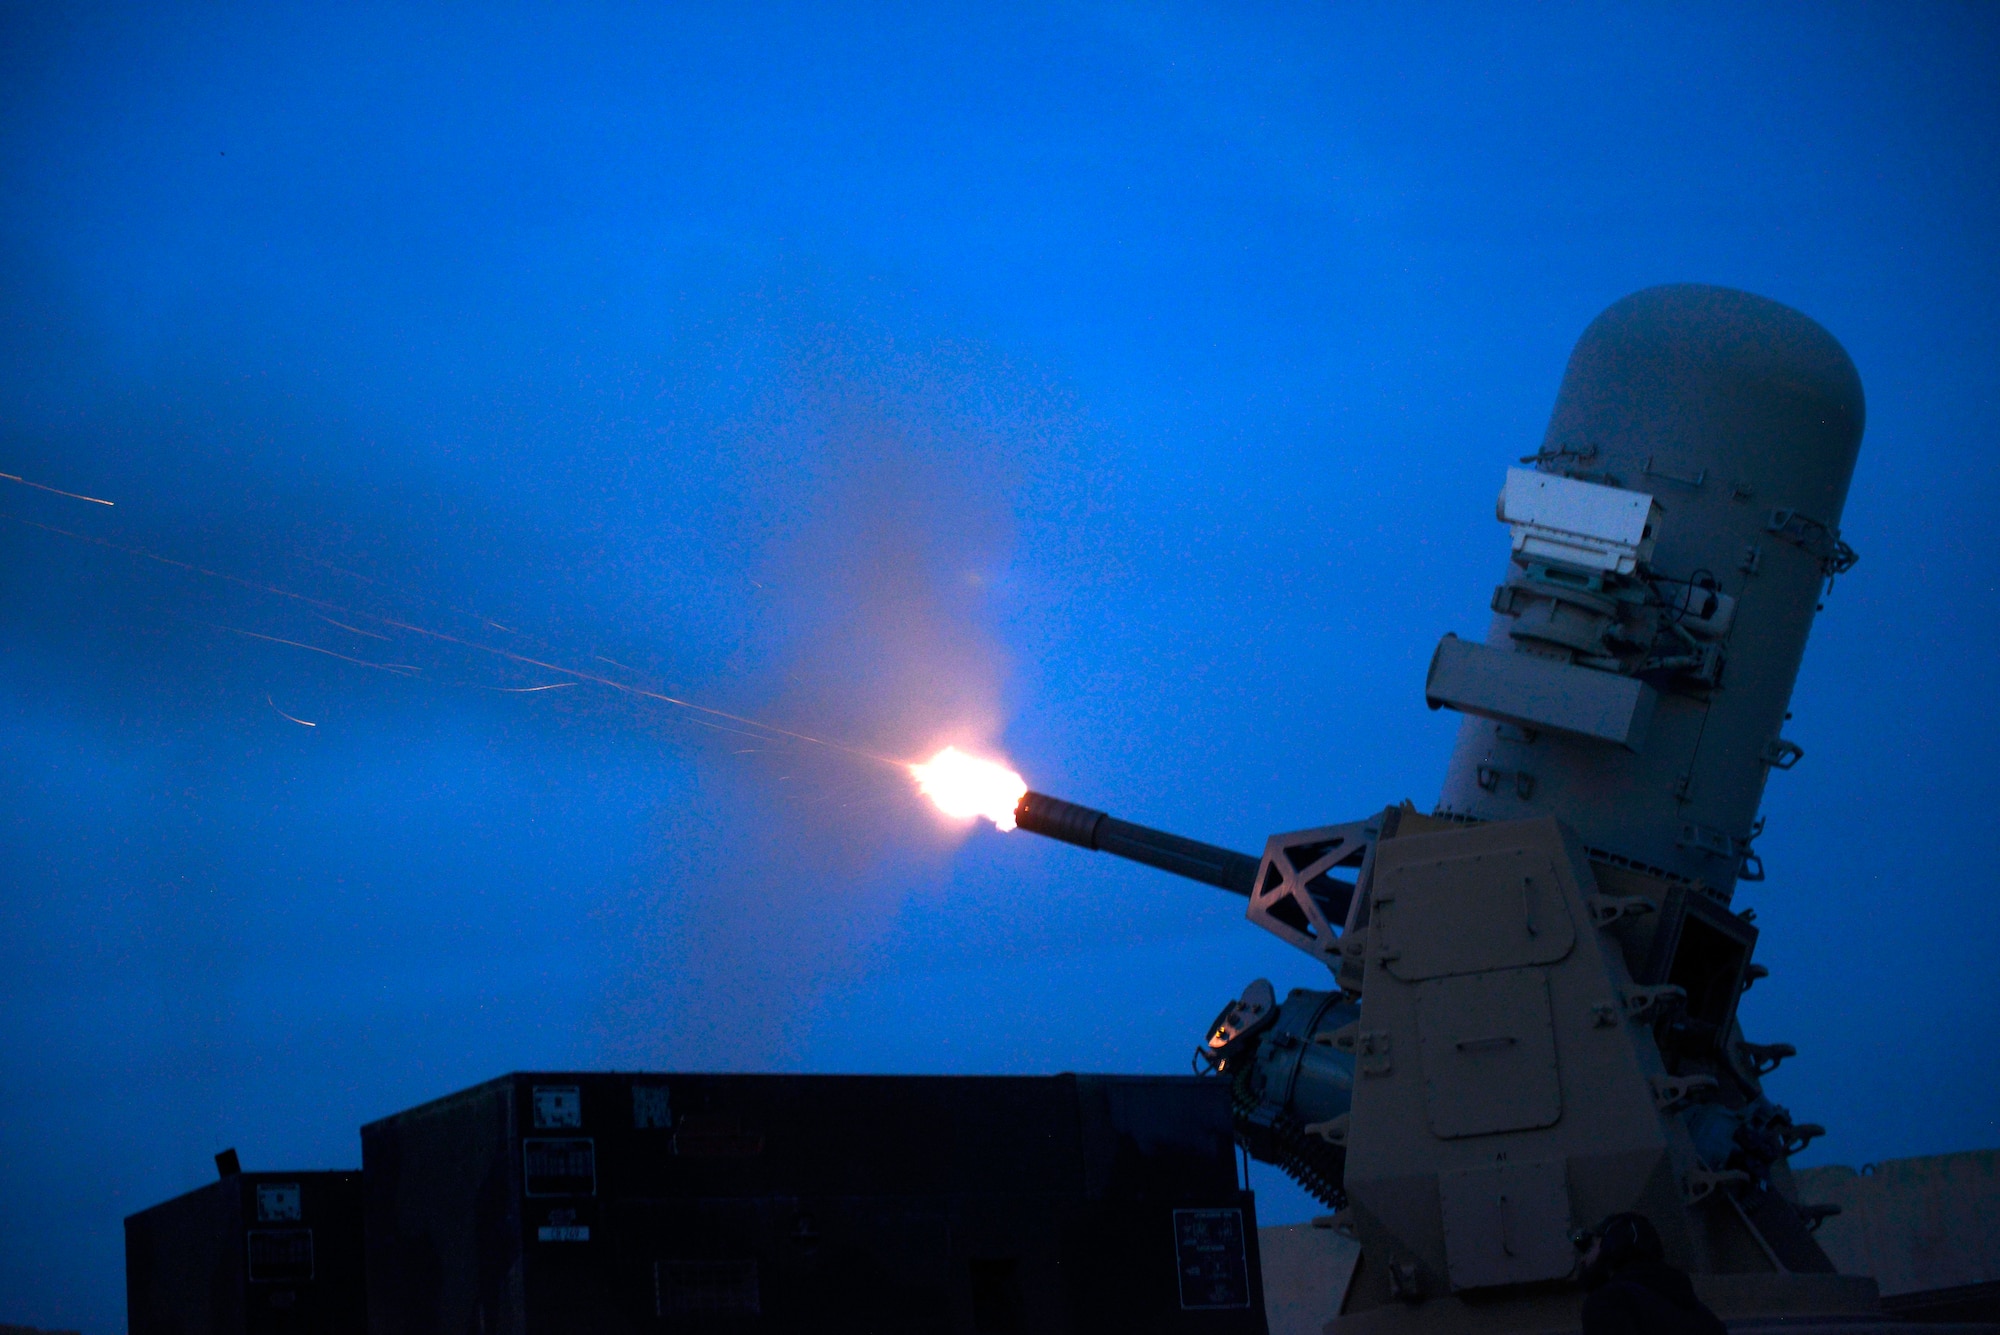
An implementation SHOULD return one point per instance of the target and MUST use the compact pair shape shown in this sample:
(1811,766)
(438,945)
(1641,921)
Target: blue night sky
(1121,389)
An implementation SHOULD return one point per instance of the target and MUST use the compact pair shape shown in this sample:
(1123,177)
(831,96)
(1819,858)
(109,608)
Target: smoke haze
(1122,391)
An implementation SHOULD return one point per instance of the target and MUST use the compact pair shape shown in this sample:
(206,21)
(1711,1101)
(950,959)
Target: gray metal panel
(1539,693)
(1470,912)
(1489,1053)
(1307,1269)
(1506,1223)
(1737,414)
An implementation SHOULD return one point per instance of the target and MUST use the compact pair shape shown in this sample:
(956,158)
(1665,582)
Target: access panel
(1489,1053)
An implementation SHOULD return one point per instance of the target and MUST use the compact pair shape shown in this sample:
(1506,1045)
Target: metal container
(251,1254)
(625,1202)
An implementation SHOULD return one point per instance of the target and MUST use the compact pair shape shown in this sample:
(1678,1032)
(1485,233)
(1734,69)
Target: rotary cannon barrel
(1086,827)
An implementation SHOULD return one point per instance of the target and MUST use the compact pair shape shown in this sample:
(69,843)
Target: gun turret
(1534,1019)
(1086,827)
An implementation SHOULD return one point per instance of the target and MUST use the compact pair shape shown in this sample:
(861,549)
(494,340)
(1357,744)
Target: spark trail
(767,730)
(399,669)
(43,486)
(355,629)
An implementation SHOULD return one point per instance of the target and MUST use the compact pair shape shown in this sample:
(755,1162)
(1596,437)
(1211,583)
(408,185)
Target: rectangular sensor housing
(1534,692)
(1582,525)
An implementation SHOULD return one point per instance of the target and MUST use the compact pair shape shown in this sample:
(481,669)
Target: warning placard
(1214,1272)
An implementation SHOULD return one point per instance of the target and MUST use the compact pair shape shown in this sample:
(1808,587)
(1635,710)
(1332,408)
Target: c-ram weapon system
(1533,1018)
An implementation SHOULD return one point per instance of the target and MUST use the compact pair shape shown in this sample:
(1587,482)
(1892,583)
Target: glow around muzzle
(964,786)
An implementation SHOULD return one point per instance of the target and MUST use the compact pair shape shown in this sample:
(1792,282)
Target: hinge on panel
(1489,779)
(1671,1091)
(1800,1135)
(1706,839)
(1333,1131)
(1606,910)
(1703,1183)
(1750,867)
(1765,1057)
(1694,481)
(1781,754)
(1372,1050)
(1567,461)
(1643,1003)
(1546,455)
(1343,1039)
(1816,539)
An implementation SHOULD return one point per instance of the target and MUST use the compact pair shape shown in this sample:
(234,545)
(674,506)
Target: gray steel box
(578,1202)
(1538,693)
(251,1254)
